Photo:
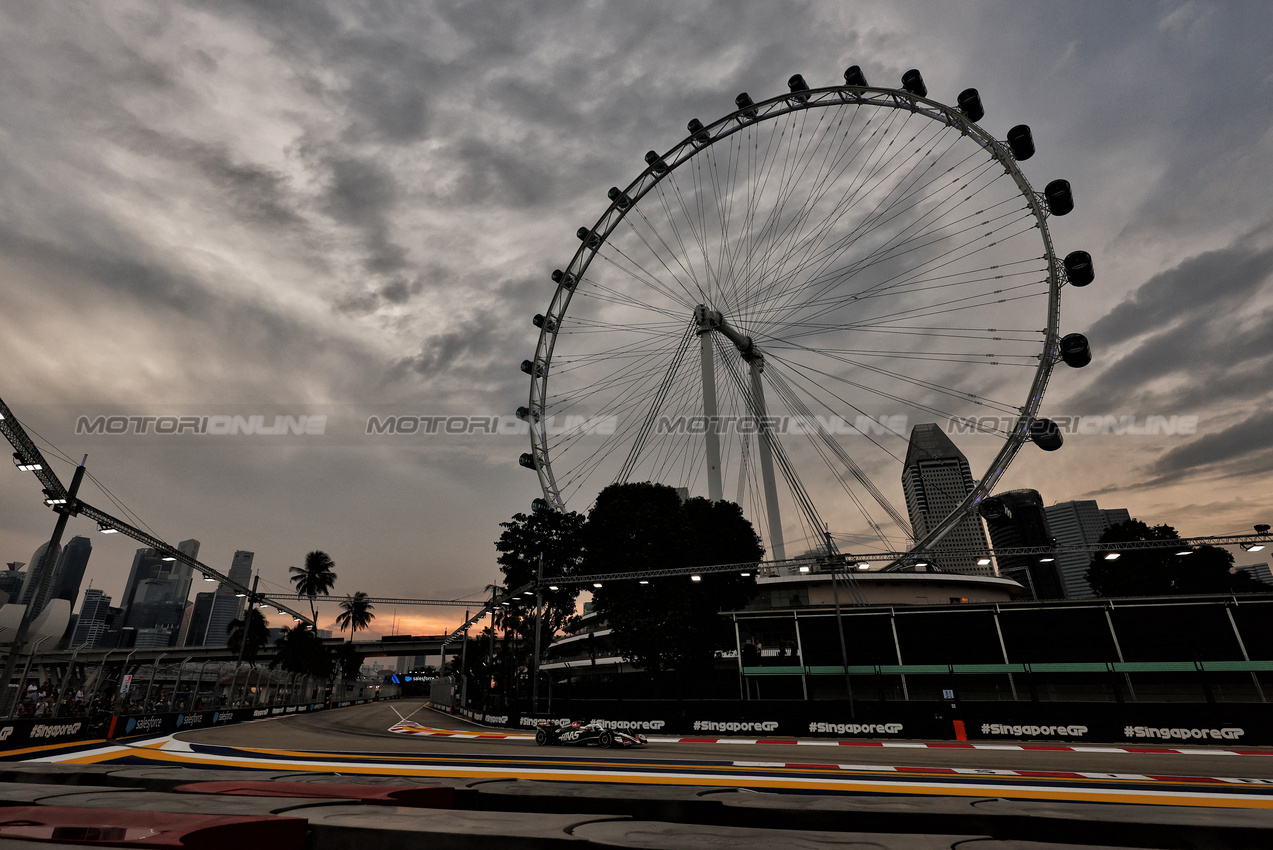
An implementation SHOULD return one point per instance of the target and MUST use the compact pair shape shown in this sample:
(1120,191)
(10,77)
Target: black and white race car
(583,734)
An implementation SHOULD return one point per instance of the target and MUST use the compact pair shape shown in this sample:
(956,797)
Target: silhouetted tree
(671,623)
(258,634)
(558,537)
(301,650)
(316,578)
(1161,572)
(355,613)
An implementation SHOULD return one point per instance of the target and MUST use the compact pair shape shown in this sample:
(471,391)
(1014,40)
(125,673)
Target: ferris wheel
(765,312)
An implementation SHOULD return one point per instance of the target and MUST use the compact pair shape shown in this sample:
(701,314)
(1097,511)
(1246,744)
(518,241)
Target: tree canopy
(355,613)
(671,623)
(1162,572)
(258,633)
(316,578)
(301,650)
(557,537)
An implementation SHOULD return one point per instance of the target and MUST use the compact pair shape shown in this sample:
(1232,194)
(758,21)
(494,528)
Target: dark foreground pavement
(516,813)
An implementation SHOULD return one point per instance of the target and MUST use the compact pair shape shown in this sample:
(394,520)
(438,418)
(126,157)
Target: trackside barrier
(128,828)
(408,796)
(26,732)
(1153,725)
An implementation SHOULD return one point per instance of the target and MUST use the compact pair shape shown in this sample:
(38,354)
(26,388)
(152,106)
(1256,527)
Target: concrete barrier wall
(21,733)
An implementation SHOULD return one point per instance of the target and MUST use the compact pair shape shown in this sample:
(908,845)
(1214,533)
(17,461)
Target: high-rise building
(1079,523)
(227,607)
(92,622)
(70,569)
(144,561)
(1259,572)
(200,612)
(184,573)
(46,579)
(935,479)
(1016,519)
(11,580)
(1116,516)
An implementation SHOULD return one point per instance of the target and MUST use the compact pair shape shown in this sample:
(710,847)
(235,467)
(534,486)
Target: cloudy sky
(329,208)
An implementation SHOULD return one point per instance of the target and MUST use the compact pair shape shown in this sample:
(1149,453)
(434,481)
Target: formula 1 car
(583,734)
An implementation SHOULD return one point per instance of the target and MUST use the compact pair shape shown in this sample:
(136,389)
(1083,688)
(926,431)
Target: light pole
(41,575)
(539,620)
(839,624)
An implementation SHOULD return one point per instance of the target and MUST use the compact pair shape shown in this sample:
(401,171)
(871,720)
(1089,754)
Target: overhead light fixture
(1113,556)
(553,587)
(106,529)
(983,562)
(864,566)
(1185,552)
(804,569)
(745,575)
(24,465)
(527,593)
(696,578)
(504,603)
(1046,560)
(921,563)
(1253,547)
(643,581)
(208,578)
(596,584)
(167,558)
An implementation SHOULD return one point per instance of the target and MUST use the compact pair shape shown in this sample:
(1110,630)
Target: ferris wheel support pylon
(708,320)
(715,488)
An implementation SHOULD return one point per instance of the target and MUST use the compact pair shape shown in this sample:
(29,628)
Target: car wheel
(541,737)
(605,739)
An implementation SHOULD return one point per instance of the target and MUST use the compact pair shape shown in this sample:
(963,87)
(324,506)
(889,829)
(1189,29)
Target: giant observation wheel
(771,306)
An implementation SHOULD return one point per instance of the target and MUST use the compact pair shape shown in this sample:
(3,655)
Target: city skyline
(263,212)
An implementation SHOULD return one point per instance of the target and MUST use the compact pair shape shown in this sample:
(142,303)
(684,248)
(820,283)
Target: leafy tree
(316,578)
(670,623)
(301,650)
(258,633)
(1161,572)
(349,661)
(355,614)
(557,536)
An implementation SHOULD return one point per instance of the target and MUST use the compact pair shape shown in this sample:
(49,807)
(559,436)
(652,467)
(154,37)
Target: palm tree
(355,614)
(316,578)
(258,633)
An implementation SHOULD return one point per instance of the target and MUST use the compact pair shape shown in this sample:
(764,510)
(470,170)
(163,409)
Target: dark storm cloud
(1245,439)
(1216,282)
(1193,322)
(249,191)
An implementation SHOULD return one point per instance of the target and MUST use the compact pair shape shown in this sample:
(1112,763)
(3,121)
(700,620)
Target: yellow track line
(1108,795)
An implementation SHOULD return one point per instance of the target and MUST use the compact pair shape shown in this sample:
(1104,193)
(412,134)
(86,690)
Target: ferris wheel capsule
(970,104)
(1021,141)
(913,82)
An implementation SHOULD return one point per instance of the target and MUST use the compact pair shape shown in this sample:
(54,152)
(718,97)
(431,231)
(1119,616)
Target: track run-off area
(359,741)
